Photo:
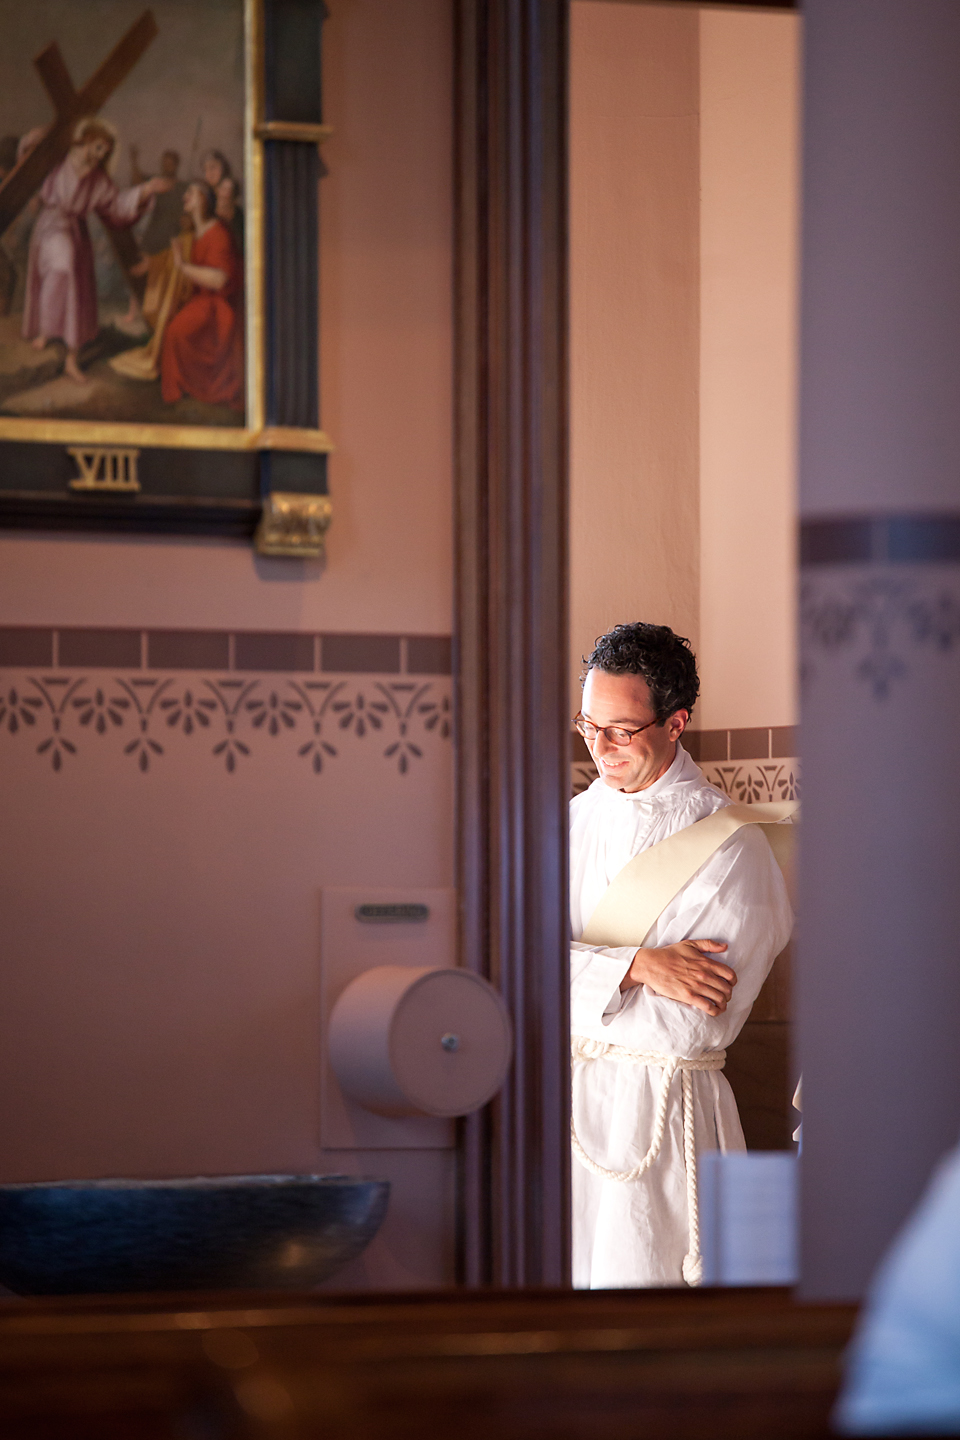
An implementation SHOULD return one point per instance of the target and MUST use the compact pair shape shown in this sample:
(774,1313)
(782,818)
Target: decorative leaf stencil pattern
(747,782)
(233,715)
(881,617)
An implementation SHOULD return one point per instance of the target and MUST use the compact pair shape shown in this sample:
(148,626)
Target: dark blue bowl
(235,1232)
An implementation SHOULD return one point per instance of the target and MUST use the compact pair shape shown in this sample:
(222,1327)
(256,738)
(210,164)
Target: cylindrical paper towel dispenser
(420,1041)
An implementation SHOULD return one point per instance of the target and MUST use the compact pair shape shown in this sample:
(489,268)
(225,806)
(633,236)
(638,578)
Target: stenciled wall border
(61,689)
(867,593)
(752,765)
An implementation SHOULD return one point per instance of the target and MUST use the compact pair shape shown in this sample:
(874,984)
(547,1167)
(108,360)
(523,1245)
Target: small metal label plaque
(392,914)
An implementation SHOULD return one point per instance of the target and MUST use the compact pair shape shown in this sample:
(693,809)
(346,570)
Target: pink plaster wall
(749,346)
(683,276)
(634,318)
(159,990)
(385,383)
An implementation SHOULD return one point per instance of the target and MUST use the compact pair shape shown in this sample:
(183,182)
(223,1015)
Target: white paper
(748,1217)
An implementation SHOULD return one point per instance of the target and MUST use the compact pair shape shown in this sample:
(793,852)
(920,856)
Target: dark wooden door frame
(511,622)
(511,627)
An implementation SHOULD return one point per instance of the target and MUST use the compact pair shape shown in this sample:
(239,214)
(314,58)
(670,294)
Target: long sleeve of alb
(596,974)
(737,897)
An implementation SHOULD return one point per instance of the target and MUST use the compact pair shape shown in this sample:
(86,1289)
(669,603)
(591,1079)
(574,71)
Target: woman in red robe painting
(202,352)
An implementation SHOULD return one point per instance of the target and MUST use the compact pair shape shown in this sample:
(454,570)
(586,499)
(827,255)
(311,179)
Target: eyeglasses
(613,734)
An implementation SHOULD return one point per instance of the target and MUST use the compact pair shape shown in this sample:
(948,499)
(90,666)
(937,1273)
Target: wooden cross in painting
(72,105)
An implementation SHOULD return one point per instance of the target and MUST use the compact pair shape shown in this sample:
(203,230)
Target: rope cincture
(584,1049)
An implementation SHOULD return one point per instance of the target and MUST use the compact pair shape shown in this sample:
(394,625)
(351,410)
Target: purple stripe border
(291,651)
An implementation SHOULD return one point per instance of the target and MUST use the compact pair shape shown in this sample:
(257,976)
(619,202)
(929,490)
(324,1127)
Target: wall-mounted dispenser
(398,1018)
(420,1041)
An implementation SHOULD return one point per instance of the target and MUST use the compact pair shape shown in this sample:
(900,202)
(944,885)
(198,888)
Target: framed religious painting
(159,172)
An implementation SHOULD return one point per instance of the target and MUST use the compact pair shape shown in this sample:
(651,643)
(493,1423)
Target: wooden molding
(292,130)
(289,437)
(511,627)
(722,4)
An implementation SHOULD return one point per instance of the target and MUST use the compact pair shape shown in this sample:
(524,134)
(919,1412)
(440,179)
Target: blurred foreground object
(903,1375)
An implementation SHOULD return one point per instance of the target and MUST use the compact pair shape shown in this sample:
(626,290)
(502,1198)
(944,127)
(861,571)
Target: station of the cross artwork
(122,293)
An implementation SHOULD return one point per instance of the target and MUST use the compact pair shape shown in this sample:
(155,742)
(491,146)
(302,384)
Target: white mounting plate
(349,946)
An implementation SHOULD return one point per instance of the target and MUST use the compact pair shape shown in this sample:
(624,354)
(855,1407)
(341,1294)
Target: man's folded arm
(596,974)
(738,897)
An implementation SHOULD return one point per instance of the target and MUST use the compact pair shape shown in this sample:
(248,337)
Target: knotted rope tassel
(584,1049)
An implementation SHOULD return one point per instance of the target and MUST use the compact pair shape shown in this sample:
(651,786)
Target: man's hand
(685,972)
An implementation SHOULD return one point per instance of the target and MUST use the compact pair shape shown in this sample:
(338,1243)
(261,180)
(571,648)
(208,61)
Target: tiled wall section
(221,650)
(751,765)
(762,743)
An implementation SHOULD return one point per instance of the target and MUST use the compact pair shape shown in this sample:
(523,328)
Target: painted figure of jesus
(61,290)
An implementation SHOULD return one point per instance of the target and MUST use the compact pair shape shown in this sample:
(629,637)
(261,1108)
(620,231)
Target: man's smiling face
(624,700)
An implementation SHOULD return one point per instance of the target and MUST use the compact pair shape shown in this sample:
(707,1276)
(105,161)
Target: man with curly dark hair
(643,1012)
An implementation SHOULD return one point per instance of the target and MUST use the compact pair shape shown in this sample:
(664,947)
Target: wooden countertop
(662,1364)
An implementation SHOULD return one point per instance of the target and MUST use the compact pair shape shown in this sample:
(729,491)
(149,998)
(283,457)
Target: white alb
(638,1233)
